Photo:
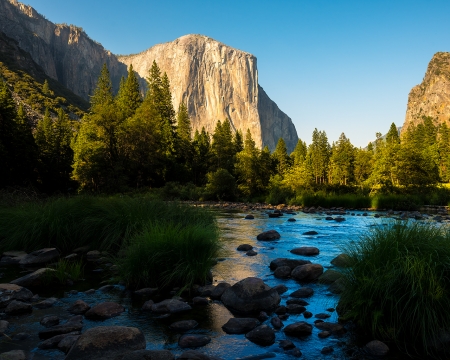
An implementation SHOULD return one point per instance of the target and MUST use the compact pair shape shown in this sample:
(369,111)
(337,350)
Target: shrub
(396,202)
(221,185)
(398,285)
(170,254)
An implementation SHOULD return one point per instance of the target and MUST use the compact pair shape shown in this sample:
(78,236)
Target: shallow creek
(231,267)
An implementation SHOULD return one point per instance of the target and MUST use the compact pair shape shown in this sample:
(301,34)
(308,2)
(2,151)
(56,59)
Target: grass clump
(398,285)
(170,254)
(65,270)
(328,200)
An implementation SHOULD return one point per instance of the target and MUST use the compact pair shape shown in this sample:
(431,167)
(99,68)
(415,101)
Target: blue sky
(340,66)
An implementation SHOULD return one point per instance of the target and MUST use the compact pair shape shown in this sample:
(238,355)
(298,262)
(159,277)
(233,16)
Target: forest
(129,142)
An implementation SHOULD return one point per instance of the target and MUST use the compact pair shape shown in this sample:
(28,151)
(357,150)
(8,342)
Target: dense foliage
(131,142)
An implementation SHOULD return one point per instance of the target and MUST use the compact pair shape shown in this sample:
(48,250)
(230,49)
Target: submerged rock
(104,311)
(261,335)
(79,307)
(240,325)
(250,295)
(73,324)
(298,329)
(183,325)
(306,251)
(307,273)
(17,307)
(149,355)
(292,263)
(193,340)
(171,306)
(107,342)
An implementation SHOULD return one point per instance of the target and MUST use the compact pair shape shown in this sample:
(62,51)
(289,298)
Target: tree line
(129,141)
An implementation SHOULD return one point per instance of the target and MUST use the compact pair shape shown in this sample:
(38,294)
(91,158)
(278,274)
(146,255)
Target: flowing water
(231,267)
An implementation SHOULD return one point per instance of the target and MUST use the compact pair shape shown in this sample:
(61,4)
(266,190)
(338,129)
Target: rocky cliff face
(65,52)
(432,96)
(217,82)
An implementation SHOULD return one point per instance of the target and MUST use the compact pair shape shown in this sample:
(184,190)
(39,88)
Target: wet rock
(310,233)
(280,288)
(93,255)
(287,344)
(47,303)
(79,307)
(376,348)
(193,340)
(107,342)
(322,316)
(276,322)
(295,352)
(329,218)
(292,263)
(10,292)
(149,355)
(17,307)
(183,325)
(331,309)
(261,335)
(71,257)
(249,217)
(219,290)
(147,306)
(67,342)
(295,309)
(12,258)
(34,279)
(274,215)
(244,247)
(171,306)
(40,257)
(106,288)
(342,260)
(206,291)
(49,321)
(193,355)
(337,287)
(268,235)
(329,276)
(3,326)
(298,329)
(21,336)
(280,310)
(90,292)
(14,355)
(250,295)
(262,316)
(53,342)
(324,334)
(292,220)
(327,350)
(240,325)
(104,311)
(146,292)
(199,300)
(74,324)
(339,219)
(251,253)
(304,292)
(14,253)
(307,314)
(307,273)
(82,249)
(305,251)
(335,329)
(297,301)
(282,272)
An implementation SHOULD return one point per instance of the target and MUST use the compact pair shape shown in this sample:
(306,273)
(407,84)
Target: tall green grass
(397,201)
(398,286)
(357,201)
(103,223)
(169,254)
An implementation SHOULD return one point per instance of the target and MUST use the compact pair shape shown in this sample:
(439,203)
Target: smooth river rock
(240,325)
(307,273)
(250,295)
(268,235)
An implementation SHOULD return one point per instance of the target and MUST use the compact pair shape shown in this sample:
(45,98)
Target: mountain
(216,81)
(432,96)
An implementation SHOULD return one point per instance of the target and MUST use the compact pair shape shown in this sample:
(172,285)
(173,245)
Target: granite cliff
(432,96)
(216,81)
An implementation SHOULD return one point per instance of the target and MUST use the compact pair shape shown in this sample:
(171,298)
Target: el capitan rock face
(432,96)
(65,52)
(217,82)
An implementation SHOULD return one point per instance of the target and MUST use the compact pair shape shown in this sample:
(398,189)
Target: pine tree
(238,141)
(342,161)
(392,135)
(103,95)
(444,152)
(129,97)
(248,168)
(281,157)
(319,152)
(46,88)
(299,153)
(202,156)
(223,148)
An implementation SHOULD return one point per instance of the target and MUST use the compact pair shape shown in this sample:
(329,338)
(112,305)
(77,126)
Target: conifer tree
(223,148)
(299,153)
(444,152)
(281,157)
(248,168)
(129,97)
(46,88)
(392,135)
(238,141)
(202,156)
(319,152)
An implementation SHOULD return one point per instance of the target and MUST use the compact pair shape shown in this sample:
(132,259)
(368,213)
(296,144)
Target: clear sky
(340,66)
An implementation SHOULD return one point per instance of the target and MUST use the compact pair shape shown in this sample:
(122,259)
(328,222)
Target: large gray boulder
(261,335)
(250,295)
(10,292)
(107,343)
(40,257)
